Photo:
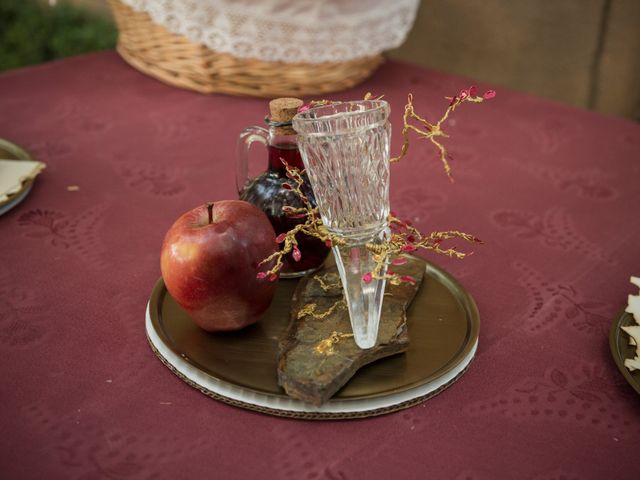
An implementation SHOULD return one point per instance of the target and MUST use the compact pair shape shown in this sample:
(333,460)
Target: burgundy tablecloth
(554,192)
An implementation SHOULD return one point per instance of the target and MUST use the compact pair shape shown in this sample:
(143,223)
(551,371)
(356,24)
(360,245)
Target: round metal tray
(239,368)
(620,348)
(11,151)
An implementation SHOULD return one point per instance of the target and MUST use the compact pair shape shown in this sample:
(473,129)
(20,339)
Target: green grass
(31,32)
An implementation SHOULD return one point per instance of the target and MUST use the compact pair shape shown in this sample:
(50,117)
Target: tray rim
(615,333)
(334,409)
(459,292)
(20,154)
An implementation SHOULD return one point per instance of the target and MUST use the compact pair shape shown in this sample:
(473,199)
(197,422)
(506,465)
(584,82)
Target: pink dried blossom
(328,243)
(367,277)
(296,253)
(287,186)
(273,277)
(473,90)
(261,275)
(408,279)
(409,248)
(281,238)
(303,108)
(489,94)
(399,261)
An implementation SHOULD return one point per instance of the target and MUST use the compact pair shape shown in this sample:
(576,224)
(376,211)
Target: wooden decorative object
(175,60)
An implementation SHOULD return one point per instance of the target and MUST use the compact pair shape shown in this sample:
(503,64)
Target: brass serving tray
(443,324)
(11,151)
(620,348)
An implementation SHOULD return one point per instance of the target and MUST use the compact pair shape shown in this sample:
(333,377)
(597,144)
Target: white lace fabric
(291,31)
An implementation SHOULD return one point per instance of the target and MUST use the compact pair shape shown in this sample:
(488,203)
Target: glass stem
(363,299)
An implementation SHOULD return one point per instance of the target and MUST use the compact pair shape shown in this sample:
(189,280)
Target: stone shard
(318,355)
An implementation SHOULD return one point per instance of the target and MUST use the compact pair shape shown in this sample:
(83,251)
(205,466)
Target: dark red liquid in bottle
(265,191)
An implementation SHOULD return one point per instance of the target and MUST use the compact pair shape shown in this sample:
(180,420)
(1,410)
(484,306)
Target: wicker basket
(175,60)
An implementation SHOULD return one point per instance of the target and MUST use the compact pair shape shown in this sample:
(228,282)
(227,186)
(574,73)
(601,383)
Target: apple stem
(210,210)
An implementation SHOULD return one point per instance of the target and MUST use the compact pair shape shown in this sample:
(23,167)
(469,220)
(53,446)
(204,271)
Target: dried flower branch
(431,131)
(402,237)
(317,103)
(310,309)
(311,226)
(320,103)
(405,238)
(327,284)
(371,96)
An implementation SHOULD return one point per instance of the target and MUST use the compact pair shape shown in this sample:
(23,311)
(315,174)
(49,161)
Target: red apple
(209,262)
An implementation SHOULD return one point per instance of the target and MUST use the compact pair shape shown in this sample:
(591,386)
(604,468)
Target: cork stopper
(283,110)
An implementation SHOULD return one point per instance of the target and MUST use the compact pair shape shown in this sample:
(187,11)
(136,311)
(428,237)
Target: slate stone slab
(318,356)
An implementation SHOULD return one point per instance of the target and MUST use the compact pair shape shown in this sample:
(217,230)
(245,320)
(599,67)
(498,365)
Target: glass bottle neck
(283,147)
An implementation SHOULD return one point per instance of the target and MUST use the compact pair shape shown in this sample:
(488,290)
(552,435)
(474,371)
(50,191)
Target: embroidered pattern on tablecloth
(554,229)
(585,396)
(79,234)
(555,302)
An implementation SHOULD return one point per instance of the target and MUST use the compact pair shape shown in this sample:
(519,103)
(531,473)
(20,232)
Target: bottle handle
(247,137)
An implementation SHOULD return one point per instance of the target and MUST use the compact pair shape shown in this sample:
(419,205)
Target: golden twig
(310,310)
(326,346)
(325,284)
(430,131)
